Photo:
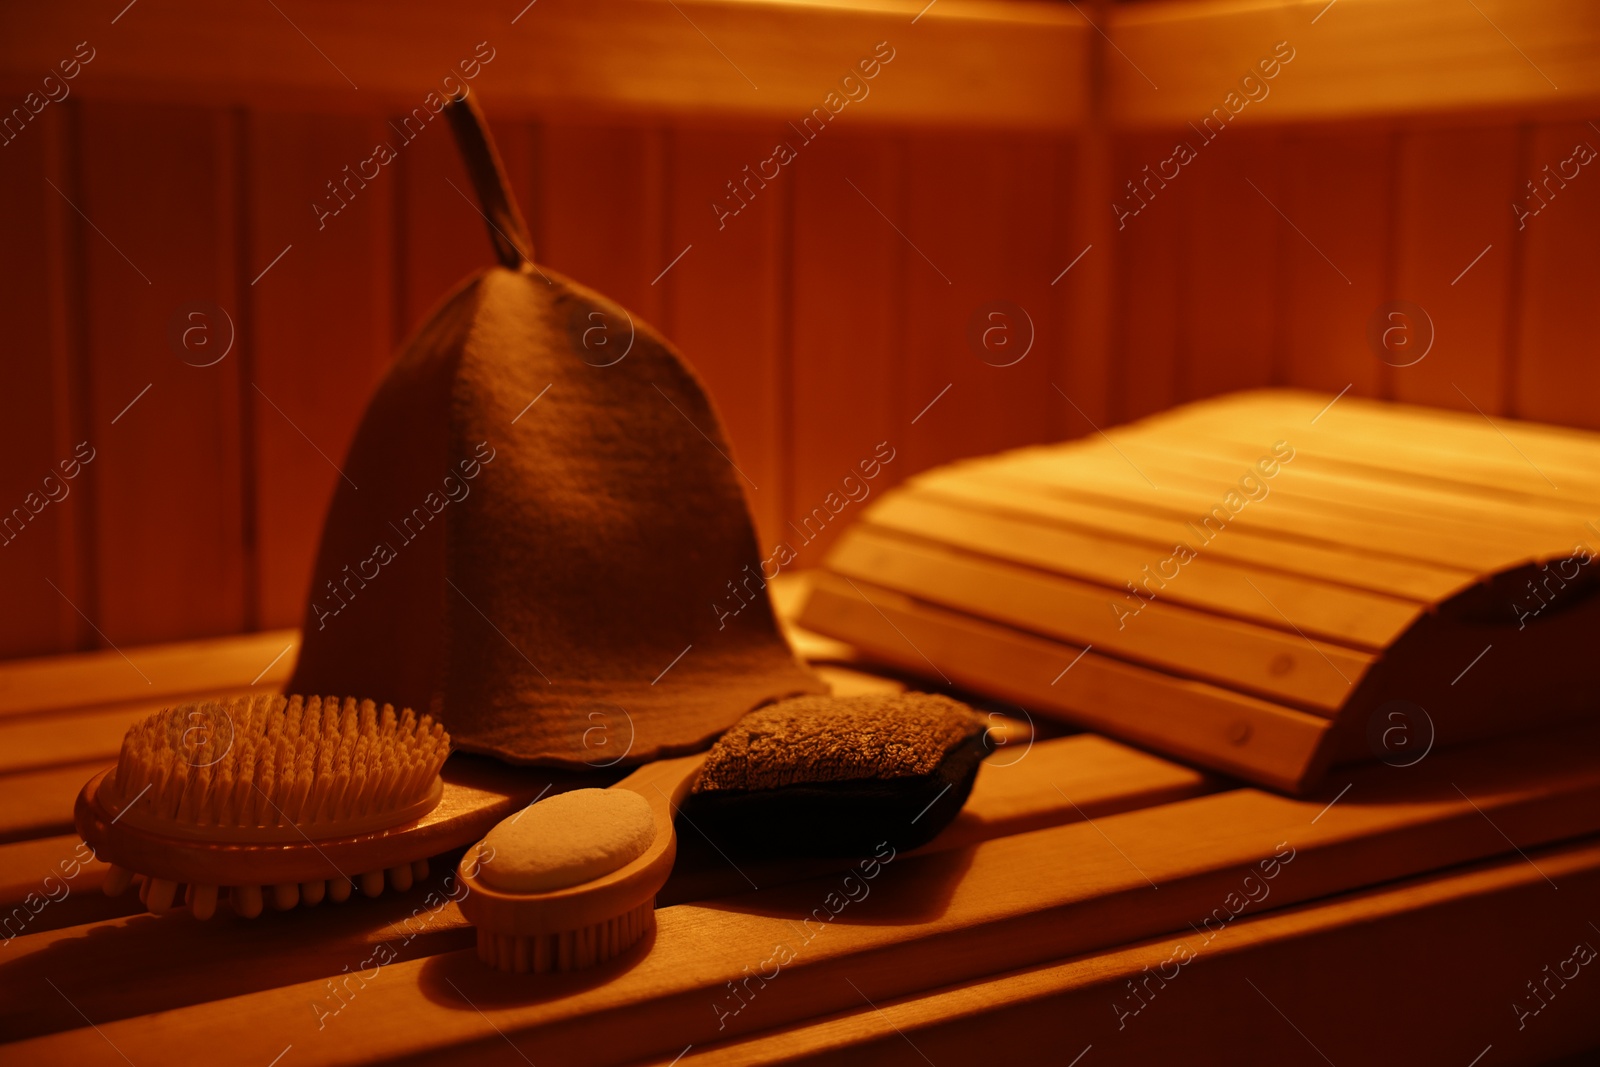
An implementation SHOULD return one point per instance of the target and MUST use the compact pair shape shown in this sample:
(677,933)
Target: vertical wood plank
(729,307)
(602,210)
(158,192)
(1231,258)
(440,236)
(1146,246)
(1556,374)
(1088,286)
(1055,234)
(321,317)
(1337,188)
(849,355)
(40,508)
(984,217)
(1455,189)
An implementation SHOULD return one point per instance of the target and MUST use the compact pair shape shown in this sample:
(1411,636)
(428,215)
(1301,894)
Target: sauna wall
(840,308)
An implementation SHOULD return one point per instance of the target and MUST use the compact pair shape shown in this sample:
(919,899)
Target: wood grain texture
(728,296)
(195,963)
(1231,262)
(97,678)
(1359,60)
(159,189)
(1337,187)
(983,221)
(968,61)
(930,921)
(1412,578)
(1455,189)
(1359,619)
(1465,454)
(1394,943)
(1147,243)
(48,883)
(321,320)
(1555,311)
(602,201)
(989,573)
(1168,637)
(1016,794)
(42,512)
(440,237)
(39,803)
(850,348)
(1208,288)
(1368,529)
(1210,725)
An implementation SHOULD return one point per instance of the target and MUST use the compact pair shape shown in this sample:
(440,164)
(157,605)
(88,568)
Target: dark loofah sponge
(838,776)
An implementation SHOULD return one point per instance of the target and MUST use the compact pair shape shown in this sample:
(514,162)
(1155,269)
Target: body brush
(285,799)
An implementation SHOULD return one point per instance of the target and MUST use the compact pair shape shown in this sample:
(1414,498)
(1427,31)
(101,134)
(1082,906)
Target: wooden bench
(1092,904)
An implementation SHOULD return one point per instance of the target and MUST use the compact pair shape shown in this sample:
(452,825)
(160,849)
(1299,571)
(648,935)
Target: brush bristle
(571,950)
(272,761)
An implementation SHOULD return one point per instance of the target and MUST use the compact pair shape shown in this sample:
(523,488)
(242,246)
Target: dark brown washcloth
(826,776)
(544,577)
(832,739)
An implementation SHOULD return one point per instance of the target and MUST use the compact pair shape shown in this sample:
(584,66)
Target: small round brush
(267,793)
(575,885)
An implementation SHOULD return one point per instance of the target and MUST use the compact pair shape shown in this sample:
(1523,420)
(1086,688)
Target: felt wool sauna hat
(542,576)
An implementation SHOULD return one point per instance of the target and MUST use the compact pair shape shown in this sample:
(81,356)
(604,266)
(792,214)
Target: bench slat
(928,922)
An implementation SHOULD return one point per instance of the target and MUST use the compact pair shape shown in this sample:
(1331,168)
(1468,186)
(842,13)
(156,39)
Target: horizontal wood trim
(36,803)
(153,672)
(1360,59)
(969,62)
(35,743)
(964,62)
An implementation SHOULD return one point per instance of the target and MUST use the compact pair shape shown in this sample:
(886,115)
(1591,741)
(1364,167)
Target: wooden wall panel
(1337,187)
(1454,193)
(1088,275)
(40,520)
(1557,376)
(729,309)
(440,238)
(1145,246)
(1047,230)
(850,343)
(1231,262)
(159,187)
(322,321)
(984,215)
(814,315)
(601,205)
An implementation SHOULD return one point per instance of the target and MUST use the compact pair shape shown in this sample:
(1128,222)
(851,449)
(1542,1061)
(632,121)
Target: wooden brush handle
(664,784)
